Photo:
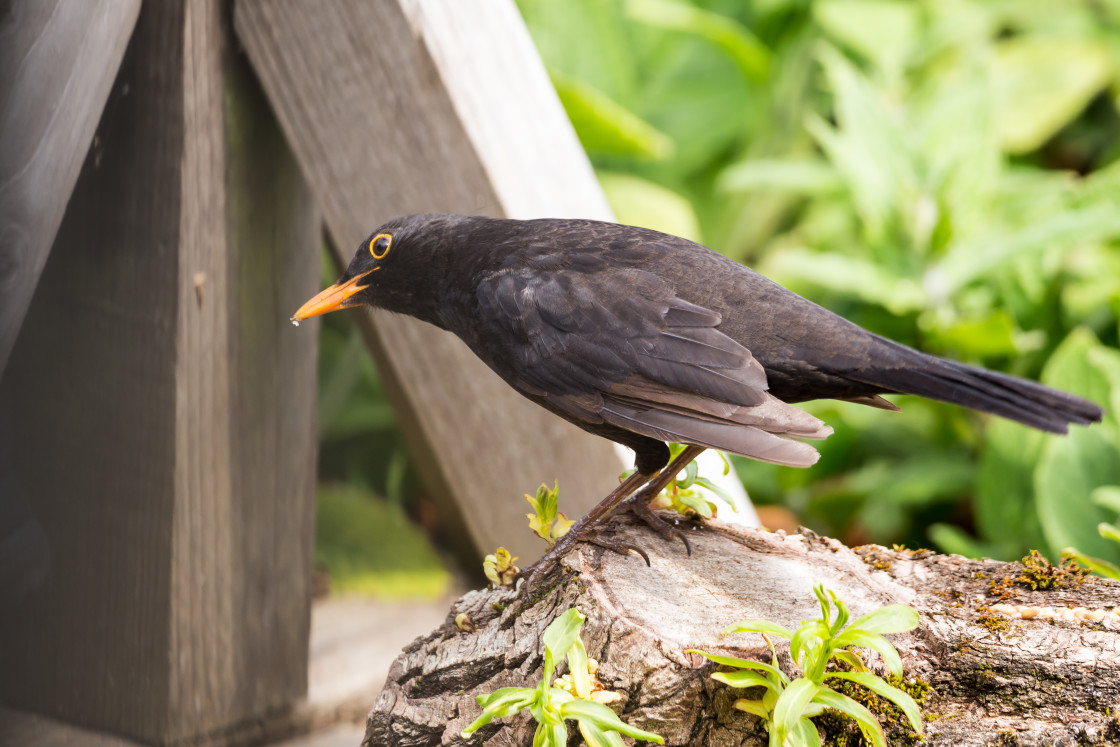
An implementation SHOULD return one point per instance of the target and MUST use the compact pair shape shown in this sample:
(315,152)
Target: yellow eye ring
(381,241)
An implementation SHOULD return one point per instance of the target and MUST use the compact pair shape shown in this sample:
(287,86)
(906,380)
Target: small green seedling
(552,706)
(499,567)
(788,704)
(682,494)
(546,521)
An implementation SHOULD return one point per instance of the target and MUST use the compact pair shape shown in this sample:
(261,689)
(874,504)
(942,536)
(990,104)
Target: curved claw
(620,547)
(639,506)
(684,539)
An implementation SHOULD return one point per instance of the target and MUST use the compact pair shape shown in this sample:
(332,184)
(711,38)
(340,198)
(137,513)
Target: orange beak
(331,299)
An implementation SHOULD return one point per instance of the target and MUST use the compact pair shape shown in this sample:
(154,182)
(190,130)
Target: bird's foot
(624,494)
(639,506)
(533,574)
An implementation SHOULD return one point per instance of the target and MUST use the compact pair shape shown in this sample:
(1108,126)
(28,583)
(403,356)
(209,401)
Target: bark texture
(995,679)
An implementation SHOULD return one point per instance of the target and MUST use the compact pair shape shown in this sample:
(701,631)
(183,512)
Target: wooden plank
(165,410)
(57,66)
(21,728)
(382,126)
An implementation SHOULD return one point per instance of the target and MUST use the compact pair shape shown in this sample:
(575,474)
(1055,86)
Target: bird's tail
(1017,399)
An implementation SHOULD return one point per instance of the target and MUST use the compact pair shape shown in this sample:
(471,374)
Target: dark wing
(619,347)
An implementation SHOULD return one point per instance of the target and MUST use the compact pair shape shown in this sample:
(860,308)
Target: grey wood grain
(165,410)
(57,65)
(390,111)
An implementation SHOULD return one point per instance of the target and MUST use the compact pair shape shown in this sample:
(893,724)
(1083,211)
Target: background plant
(940,172)
(788,704)
(943,172)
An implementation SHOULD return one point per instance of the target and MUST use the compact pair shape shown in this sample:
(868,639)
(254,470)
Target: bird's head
(392,269)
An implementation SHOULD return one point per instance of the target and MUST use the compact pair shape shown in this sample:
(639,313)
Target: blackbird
(642,337)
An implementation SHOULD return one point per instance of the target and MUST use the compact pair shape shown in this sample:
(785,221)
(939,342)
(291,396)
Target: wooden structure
(1006,665)
(164,405)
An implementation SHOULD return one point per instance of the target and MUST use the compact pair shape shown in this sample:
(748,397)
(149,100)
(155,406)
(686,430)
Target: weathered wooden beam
(400,107)
(165,409)
(57,64)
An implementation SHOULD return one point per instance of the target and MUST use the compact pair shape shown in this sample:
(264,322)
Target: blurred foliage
(943,172)
(369,546)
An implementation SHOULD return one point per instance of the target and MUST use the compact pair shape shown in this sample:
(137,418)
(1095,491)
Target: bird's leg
(583,529)
(638,504)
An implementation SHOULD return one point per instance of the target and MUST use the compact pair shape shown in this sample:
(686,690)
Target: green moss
(368,546)
(1041,575)
(841,731)
(995,623)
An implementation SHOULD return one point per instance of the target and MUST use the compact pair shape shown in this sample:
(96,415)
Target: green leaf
(757,626)
(805,733)
(1096,565)
(1042,82)
(640,202)
(720,492)
(499,704)
(811,178)
(867,147)
(545,521)
(596,737)
(867,722)
(1071,468)
(990,334)
(847,275)
(731,661)
(550,735)
(1107,496)
(605,126)
(841,613)
(851,658)
(562,633)
(883,31)
(894,618)
(751,55)
(976,259)
(755,707)
(743,679)
(1109,531)
(696,502)
(877,643)
(791,703)
(578,669)
(1004,501)
(605,718)
(807,643)
(881,688)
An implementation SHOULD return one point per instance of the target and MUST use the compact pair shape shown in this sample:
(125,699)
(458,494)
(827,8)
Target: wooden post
(165,409)
(401,107)
(56,68)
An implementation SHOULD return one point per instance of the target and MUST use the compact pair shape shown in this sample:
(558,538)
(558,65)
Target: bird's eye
(379,245)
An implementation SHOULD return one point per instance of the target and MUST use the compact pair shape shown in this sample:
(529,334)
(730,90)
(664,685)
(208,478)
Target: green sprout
(552,706)
(499,567)
(682,494)
(788,704)
(1108,497)
(546,521)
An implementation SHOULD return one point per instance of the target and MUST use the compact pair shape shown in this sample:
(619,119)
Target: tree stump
(1034,674)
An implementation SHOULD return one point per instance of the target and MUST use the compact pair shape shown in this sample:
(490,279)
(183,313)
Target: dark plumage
(643,338)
